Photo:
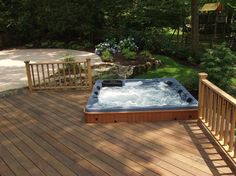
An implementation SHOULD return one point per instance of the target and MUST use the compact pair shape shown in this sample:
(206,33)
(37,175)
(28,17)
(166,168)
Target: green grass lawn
(187,76)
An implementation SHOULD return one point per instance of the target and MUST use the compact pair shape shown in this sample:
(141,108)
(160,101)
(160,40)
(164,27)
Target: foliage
(219,64)
(69,59)
(126,47)
(33,20)
(109,45)
(182,53)
(106,55)
(128,54)
(153,39)
(128,44)
(74,45)
(145,53)
(69,65)
(187,76)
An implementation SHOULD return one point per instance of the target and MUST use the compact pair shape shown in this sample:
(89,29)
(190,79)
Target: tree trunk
(195,26)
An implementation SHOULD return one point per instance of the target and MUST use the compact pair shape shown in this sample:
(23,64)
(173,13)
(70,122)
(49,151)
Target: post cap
(27,61)
(202,75)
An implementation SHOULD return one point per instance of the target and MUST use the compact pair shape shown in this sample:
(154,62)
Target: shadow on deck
(44,134)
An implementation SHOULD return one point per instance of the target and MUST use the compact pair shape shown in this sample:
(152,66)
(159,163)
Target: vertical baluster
(44,82)
(227,119)
(219,106)
(214,112)
(74,72)
(222,122)
(85,74)
(207,105)
(37,68)
(89,71)
(234,149)
(69,73)
(54,77)
(80,77)
(48,73)
(201,106)
(64,74)
(210,109)
(232,129)
(32,71)
(59,74)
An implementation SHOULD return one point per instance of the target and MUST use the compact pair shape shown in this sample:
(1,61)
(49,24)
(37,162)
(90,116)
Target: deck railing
(217,112)
(56,75)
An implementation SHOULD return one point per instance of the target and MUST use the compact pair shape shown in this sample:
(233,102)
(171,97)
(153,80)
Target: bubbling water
(136,94)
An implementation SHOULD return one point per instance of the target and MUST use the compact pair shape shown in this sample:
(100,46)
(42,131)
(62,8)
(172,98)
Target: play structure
(217,23)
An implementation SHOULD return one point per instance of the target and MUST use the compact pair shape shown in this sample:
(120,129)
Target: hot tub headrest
(112,83)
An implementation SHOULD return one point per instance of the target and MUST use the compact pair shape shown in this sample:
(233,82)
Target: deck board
(44,133)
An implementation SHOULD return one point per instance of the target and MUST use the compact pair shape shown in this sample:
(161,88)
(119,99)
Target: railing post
(27,66)
(201,94)
(89,69)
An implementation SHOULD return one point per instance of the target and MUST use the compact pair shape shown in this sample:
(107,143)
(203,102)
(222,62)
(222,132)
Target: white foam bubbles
(137,94)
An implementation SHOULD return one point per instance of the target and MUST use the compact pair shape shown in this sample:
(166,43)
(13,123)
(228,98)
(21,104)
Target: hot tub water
(137,94)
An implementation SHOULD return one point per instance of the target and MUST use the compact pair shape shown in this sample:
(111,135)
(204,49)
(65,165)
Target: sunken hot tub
(135,100)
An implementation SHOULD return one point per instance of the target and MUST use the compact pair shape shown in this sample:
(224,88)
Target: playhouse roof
(211,7)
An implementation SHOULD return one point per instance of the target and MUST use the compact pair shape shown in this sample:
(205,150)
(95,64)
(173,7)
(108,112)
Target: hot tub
(135,100)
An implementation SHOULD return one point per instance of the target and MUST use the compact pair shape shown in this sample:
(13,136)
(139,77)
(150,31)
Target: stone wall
(116,71)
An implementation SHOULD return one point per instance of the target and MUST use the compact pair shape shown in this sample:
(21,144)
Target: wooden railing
(217,112)
(58,75)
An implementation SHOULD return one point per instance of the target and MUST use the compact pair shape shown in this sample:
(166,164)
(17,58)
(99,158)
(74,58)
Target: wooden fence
(58,75)
(217,112)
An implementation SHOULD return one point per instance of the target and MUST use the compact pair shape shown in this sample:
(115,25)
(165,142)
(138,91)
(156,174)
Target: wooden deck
(44,134)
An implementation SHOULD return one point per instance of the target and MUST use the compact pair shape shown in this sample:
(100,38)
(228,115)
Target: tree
(195,26)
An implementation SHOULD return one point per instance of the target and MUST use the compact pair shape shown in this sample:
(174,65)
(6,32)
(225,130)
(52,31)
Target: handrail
(217,112)
(217,89)
(56,75)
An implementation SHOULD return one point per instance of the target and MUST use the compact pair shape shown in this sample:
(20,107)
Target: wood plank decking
(44,134)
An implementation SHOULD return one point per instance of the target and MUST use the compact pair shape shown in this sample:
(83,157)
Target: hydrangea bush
(128,43)
(114,47)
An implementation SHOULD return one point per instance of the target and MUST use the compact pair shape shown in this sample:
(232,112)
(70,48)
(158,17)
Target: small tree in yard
(219,64)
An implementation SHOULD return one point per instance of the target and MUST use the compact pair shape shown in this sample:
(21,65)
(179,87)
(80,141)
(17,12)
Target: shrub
(182,53)
(69,66)
(128,43)
(75,46)
(109,44)
(128,54)
(29,45)
(57,44)
(87,44)
(45,44)
(69,59)
(127,47)
(52,44)
(145,53)
(219,64)
(106,55)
